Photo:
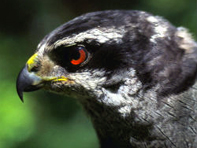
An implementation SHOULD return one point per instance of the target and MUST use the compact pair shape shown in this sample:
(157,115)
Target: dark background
(46,120)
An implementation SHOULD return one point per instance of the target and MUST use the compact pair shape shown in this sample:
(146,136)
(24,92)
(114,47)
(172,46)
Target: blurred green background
(46,120)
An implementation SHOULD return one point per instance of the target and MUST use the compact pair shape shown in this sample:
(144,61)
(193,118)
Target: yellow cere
(31,61)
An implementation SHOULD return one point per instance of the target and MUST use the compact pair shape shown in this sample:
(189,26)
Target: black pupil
(74,54)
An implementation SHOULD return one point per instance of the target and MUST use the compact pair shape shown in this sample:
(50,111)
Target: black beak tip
(19,88)
(20,94)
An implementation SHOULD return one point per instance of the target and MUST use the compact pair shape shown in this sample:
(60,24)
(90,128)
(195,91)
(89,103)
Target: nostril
(35,68)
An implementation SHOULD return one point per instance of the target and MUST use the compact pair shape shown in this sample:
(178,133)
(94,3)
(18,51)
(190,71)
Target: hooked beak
(27,81)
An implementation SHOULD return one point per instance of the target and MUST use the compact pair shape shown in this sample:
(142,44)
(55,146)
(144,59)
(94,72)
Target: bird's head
(81,57)
(102,52)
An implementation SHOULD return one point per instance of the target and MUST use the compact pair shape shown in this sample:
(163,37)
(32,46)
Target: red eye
(82,57)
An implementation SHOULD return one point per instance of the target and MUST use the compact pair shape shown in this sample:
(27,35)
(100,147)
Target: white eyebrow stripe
(101,35)
(41,48)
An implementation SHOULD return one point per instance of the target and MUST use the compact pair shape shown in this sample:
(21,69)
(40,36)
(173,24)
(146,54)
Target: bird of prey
(134,74)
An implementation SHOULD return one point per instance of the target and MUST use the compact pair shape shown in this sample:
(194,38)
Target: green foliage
(17,122)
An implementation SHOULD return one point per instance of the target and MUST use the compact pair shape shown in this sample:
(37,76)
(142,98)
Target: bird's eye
(80,56)
(71,57)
